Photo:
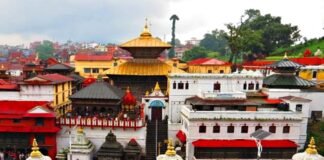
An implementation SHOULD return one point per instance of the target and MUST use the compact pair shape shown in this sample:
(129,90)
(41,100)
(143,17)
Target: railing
(100,122)
(224,95)
(240,115)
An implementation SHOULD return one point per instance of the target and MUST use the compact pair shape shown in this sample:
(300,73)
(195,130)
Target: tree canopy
(215,41)
(45,50)
(194,53)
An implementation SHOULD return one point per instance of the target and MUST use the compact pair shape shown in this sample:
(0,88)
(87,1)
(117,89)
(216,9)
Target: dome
(170,154)
(128,98)
(309,154)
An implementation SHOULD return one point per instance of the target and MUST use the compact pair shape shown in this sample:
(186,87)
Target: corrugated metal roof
(285,63)
(144,67)
(99,90)
(281,80)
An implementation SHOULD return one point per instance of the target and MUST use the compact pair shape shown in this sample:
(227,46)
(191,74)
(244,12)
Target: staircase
(156,131)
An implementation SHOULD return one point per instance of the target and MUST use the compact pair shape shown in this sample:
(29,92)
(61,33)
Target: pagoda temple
(285,76)
(142,72)
(110,149)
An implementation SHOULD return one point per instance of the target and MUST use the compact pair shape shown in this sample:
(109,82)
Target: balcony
(101,122)
(191,114)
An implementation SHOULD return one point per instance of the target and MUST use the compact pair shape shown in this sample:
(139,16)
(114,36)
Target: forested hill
(298,50)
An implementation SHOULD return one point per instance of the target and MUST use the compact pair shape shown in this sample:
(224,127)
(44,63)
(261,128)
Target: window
(244,86)
(272,129)
(180,85)
(257,86)
(187,85)
(286,129)
(221,71)
(16,120)
(230,129)
(251,86)
(258,127)
(314,75)
(216,129)
(174,85)
(209,71)
(86,70)
(40,138)
(217,86)
(56,99)
(39,122)
(202,129)
(95,70)
(56,88)
(244,129)
(299,107)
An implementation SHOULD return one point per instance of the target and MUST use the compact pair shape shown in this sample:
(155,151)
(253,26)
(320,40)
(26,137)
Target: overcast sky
(115,21)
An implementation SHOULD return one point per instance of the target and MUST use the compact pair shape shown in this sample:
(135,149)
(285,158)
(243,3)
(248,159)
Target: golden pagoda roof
(144,67)
(145,40)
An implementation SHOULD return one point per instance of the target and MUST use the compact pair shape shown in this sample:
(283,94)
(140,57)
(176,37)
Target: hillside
(312,44)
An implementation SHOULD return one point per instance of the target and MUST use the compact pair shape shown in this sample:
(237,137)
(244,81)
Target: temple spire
(170,151)
(157,87)
(35,150)
(80,130)
(285,56)
(311,147)
(146,32)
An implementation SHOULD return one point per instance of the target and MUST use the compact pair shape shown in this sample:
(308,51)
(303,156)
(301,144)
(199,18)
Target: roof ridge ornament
(311,147)
(285,56)
(35,150)
(146,31)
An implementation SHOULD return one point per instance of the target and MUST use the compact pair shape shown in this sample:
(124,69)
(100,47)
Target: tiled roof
(281,80)
(294,98)
(144,67)
(17,109)
(47,79)
(58,66)
(4,85)
(93,57)
(207,61)
(55,78)
(285,63)
(99,90)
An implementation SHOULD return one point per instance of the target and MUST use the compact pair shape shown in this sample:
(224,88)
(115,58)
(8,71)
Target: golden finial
(157,87)
(127,89)
(2,66)
(147,93)
(35,150)
(285,56)
(80,130)
(311,147)
(170,151)
(146,31)
(36,58)
(34,71)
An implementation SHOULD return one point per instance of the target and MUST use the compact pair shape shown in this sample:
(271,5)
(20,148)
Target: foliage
(45,50)
(273,33)
(312,44)
(194,53)
(173,18)
(215,41)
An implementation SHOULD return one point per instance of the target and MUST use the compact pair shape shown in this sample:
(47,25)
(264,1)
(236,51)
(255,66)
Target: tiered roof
(48,79)
(99,90)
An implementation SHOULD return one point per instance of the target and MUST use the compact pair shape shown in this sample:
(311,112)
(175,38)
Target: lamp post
(259,135)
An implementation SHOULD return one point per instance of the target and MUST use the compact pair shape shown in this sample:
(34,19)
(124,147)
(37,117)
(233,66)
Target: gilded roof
(144,67)
(145,40)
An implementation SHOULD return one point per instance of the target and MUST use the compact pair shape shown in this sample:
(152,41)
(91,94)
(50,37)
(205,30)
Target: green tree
(215,41)
(45,50)
(274,34)
(194,53)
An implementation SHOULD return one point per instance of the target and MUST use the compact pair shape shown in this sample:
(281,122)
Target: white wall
(97,136)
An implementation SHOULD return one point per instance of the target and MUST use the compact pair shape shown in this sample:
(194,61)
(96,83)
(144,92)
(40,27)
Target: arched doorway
(156,110)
